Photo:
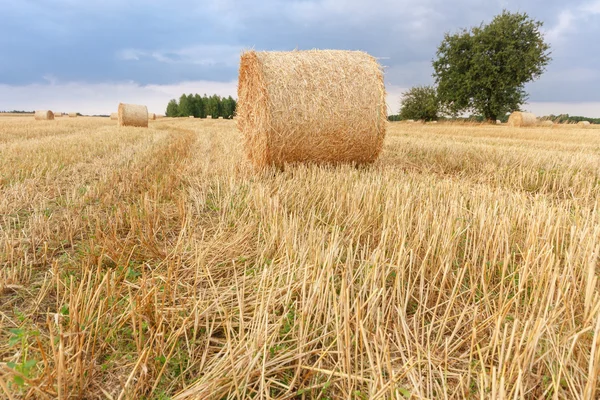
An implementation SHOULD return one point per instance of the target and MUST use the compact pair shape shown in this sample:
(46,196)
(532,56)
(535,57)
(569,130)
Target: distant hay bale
(208,117)
(324,106)
(133,115)
(151,116)
(583,124)
(519,119)
(498,122)
(73,115)
(547,123)
(220,117)
(410,120)
(44,115)
(191,116)
(114,116)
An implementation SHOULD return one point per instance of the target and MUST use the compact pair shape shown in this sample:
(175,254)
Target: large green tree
(420,102)
(172,109)
(186,105)
(485,69)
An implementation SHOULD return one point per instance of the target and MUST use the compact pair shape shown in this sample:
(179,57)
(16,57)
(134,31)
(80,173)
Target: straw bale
(410,120)
(547,123)
(208,117)
(151,116)
(191,116)
(498,122)
(583,123)
(114,116)
(519,119)
(324,106)
(44,115)
(133,115)
(73,115)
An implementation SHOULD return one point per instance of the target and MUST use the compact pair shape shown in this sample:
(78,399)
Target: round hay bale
(191,116)
(547,123)
(519,119)
(410,121)
(44,115)
(151,116)
(133,115)
(324,106)
(114,116)
(73,115)
(498,122)
(583,124)
(208,117)
(220,117)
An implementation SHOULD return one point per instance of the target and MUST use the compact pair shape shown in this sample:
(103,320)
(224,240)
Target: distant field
(154,263)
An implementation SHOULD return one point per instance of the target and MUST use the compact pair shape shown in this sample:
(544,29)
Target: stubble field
(155,263)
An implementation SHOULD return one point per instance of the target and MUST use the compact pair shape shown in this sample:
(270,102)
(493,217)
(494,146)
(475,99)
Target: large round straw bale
(518,119)
(133,115)
(44,115)
(547,123)
(583,123)
(114,116)
(151,116)
(320,105)
(73,115)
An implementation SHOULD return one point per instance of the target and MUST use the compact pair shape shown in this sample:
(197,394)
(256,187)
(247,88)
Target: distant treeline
(17,112)
(201,106)
(559,119)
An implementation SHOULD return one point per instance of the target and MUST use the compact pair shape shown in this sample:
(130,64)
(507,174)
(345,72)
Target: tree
(420,102)
(172,109)
(213,106)
(186,105)
(198,107)
(485,69)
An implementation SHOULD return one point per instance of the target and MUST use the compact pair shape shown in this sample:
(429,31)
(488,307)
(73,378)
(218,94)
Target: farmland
(156,263)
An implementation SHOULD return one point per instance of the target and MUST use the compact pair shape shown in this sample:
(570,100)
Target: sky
(89,55)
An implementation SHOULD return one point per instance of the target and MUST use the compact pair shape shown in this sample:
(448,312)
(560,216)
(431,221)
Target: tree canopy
(485,69)
(420,103)
(202,106)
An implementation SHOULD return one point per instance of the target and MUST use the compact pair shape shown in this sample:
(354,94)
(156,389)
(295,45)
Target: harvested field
(156,263)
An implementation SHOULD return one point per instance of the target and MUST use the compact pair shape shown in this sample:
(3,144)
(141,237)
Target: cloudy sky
(88,55)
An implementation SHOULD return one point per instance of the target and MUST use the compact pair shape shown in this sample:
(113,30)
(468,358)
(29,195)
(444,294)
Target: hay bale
(133,115)
(519,119)
(220,117)
(547,123)
(324,106)
(191,116)
(114,116)
(151,116)
(44,115)
(412,121)
(498,122)
(208,117)
(73,115)
(583,124)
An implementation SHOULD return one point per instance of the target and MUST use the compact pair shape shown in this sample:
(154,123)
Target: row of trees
(201,106)
(482,70)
